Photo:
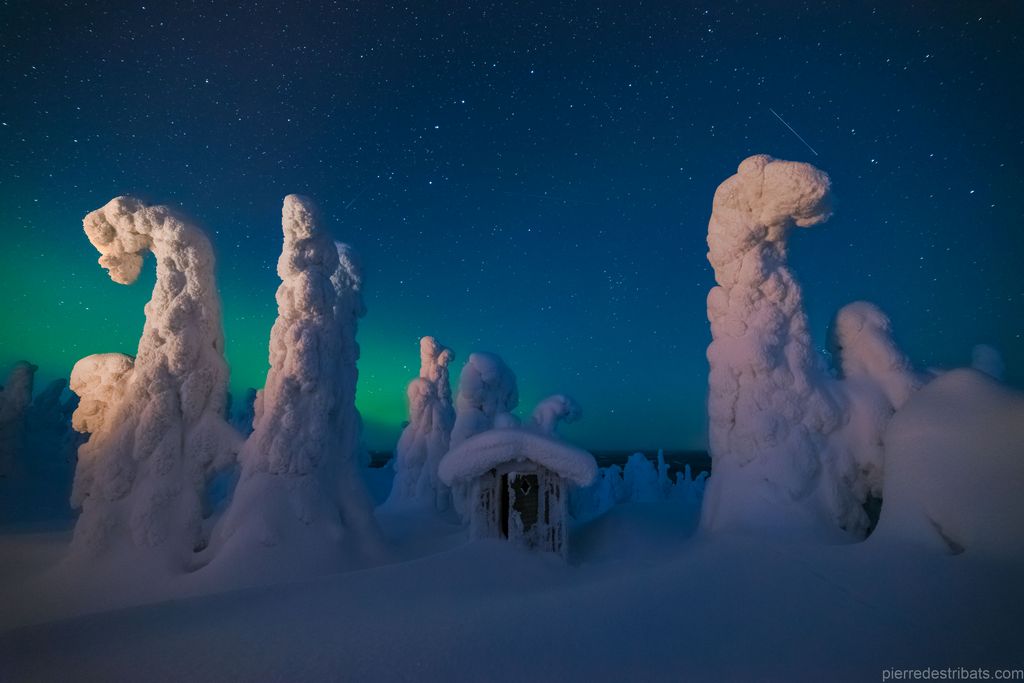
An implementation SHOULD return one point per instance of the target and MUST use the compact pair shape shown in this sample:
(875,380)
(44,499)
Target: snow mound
(955,468)
(487,450)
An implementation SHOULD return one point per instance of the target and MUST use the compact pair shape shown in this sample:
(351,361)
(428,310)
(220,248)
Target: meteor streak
(793,131)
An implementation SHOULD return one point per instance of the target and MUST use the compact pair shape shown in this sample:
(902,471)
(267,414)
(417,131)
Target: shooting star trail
(793,131)
(358,195)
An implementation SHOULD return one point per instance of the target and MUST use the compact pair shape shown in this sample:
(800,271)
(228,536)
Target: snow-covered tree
(643,481)
(768,410)
(349,307)
(156,423)
(47,410)
(15,396)
(552,410)
(487,394)
(300,498)
(48,430)
(876,379)
(242,420)
(862,347)
(794,448)
(424,441)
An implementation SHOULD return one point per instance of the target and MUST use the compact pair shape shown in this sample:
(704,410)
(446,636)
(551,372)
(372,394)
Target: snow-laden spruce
(156,423)
(640,481)
(553,410)
(48,411)
(300,502)
(15,396)
(39,485)
(424,441)
(48,433)
(243,419)
(876,380)
(487,396)
(794,448)
(862,345)
(768,414)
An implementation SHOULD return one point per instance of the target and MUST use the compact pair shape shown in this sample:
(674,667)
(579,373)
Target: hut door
(503,506)
(524,490)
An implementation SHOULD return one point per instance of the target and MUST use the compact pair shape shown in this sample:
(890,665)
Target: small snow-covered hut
(518,485)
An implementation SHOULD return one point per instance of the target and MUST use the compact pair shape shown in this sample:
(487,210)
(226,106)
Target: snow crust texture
(157,431)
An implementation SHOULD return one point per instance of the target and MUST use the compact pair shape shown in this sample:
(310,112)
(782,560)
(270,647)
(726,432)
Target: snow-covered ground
(644,597)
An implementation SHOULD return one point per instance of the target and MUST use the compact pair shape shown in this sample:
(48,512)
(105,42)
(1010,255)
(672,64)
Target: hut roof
(487,450)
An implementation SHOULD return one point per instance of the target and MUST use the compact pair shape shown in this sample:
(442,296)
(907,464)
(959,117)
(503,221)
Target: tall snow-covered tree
(300,501)
(156,422)
(424,441)
(794,448)
(15,397)
(767,409)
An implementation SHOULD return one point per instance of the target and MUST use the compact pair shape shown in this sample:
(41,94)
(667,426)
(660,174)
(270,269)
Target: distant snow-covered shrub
(640,481)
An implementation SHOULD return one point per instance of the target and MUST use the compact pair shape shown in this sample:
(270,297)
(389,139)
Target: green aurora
(62,306)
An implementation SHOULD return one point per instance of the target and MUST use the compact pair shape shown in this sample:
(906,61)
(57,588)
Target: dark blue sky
(532,179)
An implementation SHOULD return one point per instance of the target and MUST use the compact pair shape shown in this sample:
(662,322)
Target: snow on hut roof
(487,450)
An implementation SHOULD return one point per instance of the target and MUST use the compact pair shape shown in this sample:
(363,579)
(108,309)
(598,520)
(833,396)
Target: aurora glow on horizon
(532,179)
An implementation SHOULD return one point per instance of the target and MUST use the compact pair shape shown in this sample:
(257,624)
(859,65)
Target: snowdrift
(954,477)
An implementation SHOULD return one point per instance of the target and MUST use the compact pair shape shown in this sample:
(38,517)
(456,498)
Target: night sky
(533,178)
